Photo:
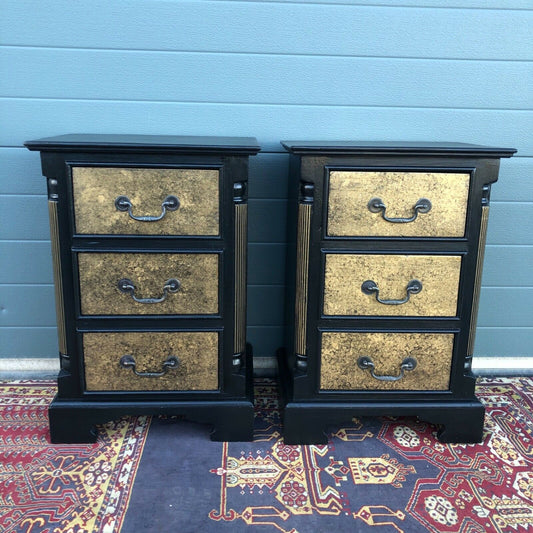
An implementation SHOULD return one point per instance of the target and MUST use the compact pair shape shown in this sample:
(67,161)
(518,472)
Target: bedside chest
(384,270)
(149,253)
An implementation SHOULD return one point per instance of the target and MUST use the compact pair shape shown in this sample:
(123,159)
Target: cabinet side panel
(241,217)
(58,280)
(302,279)
(477,282)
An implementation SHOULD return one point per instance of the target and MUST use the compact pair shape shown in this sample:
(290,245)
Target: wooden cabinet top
(146,143)
(394,148)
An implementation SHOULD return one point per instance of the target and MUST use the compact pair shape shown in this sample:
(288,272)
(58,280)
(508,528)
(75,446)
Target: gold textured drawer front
(351,191)
(345,275)
(196,367)
(101,275)
(342,350)
(97,188)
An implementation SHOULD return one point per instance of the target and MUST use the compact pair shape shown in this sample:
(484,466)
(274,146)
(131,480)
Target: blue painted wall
(322,69)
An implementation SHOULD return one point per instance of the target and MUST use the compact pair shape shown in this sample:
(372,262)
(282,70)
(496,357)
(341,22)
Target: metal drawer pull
(170,203)
(375,205)
(127,286)
(413,287)
(128,361)
(365,363)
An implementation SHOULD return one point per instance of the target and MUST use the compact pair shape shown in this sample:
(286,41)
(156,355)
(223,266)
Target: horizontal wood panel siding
(505,306)
(27,216)
(267,307)
(276,28)
(30,341)
(514,182)
(269,173)
(268,338)
(503,342)
(267,221)
(510,223)
(266,264)
(508,266)
(416,70)
(24,305)
(462,4)
(268,122)
(20,172)
(26,262)
(338,81)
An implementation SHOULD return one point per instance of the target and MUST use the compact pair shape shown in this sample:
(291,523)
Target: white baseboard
(29,368)
(46,368)
(502,366)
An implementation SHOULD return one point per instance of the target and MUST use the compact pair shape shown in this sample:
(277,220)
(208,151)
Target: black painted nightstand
(149,248)
(384,270)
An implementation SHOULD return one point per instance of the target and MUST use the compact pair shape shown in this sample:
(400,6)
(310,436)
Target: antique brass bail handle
(126,285)
(371,287)
(170,203)
(376,205)
(408,364)
(128,361)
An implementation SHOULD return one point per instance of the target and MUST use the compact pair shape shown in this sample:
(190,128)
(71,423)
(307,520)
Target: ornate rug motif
(66,488)
(389,473)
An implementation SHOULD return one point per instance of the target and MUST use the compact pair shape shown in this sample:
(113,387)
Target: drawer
(151,361)
(148,283)
(360,202)
(391,285)
(343,369)
(144,193)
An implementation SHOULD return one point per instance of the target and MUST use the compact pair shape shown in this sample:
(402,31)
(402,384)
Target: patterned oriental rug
(165,475)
